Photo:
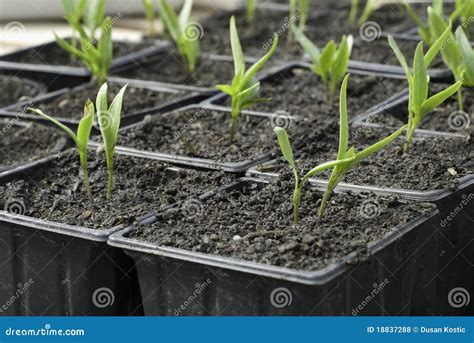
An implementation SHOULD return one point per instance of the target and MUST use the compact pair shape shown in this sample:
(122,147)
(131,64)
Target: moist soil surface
(202,133)
(446,117)
(168,67)
(258,226)
(70,105)
(15,89)
(55,192)
(54,55)
(301,94)
(426,167)
(23,142)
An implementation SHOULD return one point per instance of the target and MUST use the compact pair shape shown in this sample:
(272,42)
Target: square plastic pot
(180,282)
(53,269)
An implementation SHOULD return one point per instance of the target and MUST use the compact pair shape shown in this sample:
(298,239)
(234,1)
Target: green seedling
(81,139)
(298,9)
(109,124)
(455,53)
(97,57)
(426,28)
(251,9)
(150,17)
(346,158)
(466,13)
(184,32)
(331,63)
(366,12)
(419,105)
(244,87)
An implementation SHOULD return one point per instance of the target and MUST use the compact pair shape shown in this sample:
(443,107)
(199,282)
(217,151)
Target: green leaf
(149,10)
(439,98)
(467,54)
(185,13)
(115,110)
(437,45)
(343,120)
(85,126)
(285,145)
(67,130)
(326,59)
(378,146)
(260,63)
(69,48)
(367,12)
(341,62)
(94,15)
(400,57)
(420,79)
(237,53)
(308,46)
(170,19)
(423,29)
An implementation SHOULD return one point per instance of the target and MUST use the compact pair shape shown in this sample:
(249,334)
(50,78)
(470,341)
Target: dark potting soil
(300,93)
(71,104)
(258,226)
(202,133)
(429,165)
(23,142)
(53,54)
(15,89)
(379,51)
(55,192)
(446,117)
(168,67)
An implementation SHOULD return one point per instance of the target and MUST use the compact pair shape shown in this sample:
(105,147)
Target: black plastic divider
(126,118)
(236,287)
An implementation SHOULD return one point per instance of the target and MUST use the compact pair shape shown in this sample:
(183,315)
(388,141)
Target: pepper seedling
(244,87)
(331,63)
(81,139)
(419,105)
(184,33)
(150,17)
(346,158)
(95,54)
(109,124)
(366,12)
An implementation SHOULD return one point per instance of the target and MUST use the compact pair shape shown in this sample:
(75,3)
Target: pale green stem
(85,173)
(110,173)
(460,100)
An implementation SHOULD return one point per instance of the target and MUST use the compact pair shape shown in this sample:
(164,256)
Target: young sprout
(330,64)
(298,9)
(184,33)
(109,124)
(251,8)
(150,17)
(81,139)
(425,29)
(419,105)
(346,158)
(467,57)
(366,12)
(244,87)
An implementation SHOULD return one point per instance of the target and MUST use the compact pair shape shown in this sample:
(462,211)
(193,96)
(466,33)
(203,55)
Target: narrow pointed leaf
(343,120)
(420,79)
(439,98)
